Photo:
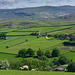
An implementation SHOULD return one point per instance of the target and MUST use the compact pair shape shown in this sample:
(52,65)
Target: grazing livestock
(34,69)
(24,68)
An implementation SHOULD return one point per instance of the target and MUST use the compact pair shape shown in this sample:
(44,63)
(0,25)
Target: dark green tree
(40,53)
(22,53)
(47,54)
(63,60)
(55,52)
(30,52)
(2,35)
(55,61)
(71,67)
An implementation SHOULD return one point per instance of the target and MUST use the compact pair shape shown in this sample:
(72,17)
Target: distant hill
(37,13)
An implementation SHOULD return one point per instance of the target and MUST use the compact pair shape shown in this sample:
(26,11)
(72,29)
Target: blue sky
(9,4)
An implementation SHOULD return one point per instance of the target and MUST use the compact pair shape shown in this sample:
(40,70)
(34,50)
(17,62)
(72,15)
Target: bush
(7,46)
(26,39)
(40,53)
(63,60)
(22,53)
(51,64)
(30,52)
(4,64)
(72,39)
(47,54)
(45,58)
(71,67)
(55,61)
(55,52)
(31,63)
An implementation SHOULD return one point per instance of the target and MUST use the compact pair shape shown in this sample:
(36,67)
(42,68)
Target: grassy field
(45,29)
(13,72)
(19,33)
(71,55)
(35,44)
(15,41)
(65,31)
(7,29)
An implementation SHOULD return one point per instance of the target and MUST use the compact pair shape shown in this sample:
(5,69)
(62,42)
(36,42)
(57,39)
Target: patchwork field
(16,40)
(45,29)
(65,31)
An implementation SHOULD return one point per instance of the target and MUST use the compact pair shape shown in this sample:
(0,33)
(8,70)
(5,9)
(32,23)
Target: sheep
(34,69)
(24,68)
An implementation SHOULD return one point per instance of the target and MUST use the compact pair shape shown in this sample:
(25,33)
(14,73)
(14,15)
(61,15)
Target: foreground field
(13,72)
(34,44)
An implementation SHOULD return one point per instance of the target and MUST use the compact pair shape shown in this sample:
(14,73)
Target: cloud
(6,2)
(9,1)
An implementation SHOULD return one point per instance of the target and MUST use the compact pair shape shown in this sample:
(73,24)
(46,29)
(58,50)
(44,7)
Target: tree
(55,61)
(22,53)
(47,54)
(4,64)
(40,53)
(30,52)
(55,52)
(63,60)
(2,35)
(71,67)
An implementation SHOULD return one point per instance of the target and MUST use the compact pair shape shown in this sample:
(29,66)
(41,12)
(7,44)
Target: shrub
(31,63)
(55,61)
(26,39)
(4,64)
(55,52)
(71,67)
(40,53)
(45,58)
(30,52)
(7,46)
(51,64)
(22,53)
(63,60)
(47,54)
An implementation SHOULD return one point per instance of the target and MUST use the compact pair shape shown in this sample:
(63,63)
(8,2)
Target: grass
(71,55)
(65,31)
(9,57)
(15,41)
(16,72)
(35,44)
(45,29)
(19,33)
(7,29)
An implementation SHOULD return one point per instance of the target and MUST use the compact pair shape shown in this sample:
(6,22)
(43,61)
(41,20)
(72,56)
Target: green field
(7,29)
(15,41)
(46,29)
(65,31)
(13,72)
(71,55)
(35,44)
(19,33)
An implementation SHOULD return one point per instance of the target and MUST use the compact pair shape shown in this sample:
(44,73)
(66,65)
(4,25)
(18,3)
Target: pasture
(45,29)
(34,43)
(19,33)
(16,40)
(65,31)
(15,72)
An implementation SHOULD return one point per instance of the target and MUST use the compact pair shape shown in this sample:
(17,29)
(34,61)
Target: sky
(10,4)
